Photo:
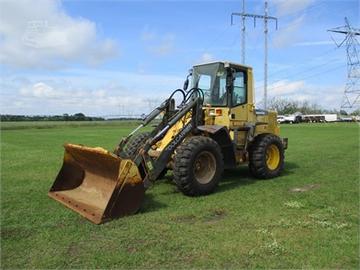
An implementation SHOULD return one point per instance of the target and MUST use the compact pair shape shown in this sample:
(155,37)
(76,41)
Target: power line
(211,44)
(305,10)
(308,77)
(304,71)
(309,58)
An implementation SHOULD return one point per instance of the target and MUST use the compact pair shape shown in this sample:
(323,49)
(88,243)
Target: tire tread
(183,164)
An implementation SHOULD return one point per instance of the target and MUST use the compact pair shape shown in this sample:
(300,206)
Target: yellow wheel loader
(214,126)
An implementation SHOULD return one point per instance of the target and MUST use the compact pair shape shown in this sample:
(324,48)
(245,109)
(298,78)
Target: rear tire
(133,145)
(198,166)
(266,156)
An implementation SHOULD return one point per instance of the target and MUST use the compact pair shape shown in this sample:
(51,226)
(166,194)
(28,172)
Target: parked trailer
(307,118)
(319,118)
(331,117)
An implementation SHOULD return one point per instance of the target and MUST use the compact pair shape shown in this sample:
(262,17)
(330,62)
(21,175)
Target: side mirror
(186,83)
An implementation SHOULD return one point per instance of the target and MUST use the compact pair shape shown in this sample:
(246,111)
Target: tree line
(64,117)
(286,106)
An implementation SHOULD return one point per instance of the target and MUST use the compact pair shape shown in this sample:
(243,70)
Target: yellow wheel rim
(272,157)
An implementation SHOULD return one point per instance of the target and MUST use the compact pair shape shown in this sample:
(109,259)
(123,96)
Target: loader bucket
(98,184)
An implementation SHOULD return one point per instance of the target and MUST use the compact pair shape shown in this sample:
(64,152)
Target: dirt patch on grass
(131,250)
(185,219)
(215,215)
(137,245)
(73,250)
(60,225)
(15,233)
(305,188)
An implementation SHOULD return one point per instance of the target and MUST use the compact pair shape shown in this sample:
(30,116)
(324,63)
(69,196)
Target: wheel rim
(204,167)
(272,157)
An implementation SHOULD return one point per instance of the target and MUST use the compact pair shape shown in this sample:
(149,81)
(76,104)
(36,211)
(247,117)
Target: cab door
(239,99)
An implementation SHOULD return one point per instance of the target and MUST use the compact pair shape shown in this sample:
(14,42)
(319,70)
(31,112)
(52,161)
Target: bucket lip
(77,207)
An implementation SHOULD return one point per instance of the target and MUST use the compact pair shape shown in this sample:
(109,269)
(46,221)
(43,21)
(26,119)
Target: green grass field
(307,218)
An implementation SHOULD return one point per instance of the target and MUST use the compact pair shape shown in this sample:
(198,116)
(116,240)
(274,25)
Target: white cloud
(206,57)
(165,47)
(42,35)
(327,96)
(286,87)
(289,34)
(157,44)
(57,97)
(39,90)
(286,7)
(314,43)
(91,91)
(148,34)
(68,95)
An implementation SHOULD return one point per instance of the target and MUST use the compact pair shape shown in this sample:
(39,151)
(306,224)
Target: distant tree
(356,112)
(65,117)
(283,106)
(287,106)
(343,112)
(79,117)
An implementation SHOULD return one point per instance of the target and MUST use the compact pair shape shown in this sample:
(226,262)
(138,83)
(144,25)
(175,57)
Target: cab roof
(225,63)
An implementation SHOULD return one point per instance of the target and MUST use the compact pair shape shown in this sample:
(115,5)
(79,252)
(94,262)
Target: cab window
(239,91)
(214,89)
(204,82)
(211,79)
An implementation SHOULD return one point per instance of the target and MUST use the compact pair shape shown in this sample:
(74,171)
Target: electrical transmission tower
(266,18)
(351,98)
(243,29)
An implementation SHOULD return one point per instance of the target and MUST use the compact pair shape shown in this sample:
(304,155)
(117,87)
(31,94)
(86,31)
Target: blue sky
(120,57)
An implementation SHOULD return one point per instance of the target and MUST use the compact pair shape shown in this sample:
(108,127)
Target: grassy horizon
(306,218)
(15,125)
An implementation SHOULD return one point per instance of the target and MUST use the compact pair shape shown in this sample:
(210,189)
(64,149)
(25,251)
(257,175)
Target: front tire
(266,156)
(198,166)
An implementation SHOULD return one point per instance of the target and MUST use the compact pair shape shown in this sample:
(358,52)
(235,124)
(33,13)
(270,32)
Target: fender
(221,135)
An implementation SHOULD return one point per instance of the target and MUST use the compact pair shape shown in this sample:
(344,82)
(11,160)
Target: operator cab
(224,84)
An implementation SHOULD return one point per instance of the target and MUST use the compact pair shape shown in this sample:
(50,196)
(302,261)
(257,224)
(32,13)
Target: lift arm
(153,167)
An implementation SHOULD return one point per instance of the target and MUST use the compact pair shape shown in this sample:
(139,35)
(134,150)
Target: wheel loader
(197,132)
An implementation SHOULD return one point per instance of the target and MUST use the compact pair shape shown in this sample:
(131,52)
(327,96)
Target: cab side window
(239,91)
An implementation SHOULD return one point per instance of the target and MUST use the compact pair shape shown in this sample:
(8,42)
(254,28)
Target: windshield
(211,79)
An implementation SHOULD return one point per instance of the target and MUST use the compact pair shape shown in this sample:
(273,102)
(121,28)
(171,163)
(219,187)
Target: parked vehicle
(280,119)
(291,119)
(347,119)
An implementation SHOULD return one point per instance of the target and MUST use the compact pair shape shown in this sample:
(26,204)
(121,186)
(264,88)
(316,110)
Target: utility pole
(266,18)
(351,97)
(243,29)
(265,53)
